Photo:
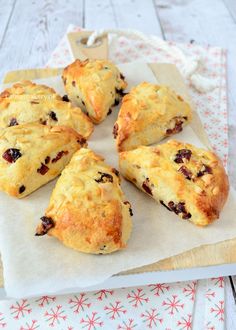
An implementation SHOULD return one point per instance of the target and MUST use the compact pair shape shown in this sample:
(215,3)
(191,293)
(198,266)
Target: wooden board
(207,255)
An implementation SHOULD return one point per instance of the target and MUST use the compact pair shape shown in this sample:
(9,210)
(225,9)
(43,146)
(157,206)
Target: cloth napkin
(183,305)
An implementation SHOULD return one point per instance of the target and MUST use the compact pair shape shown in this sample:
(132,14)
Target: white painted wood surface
(30,30)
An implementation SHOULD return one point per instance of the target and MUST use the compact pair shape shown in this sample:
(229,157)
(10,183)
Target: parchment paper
(42,265)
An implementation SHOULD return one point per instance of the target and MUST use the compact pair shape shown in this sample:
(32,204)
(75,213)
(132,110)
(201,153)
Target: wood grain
(136,14)
(6,11)
(40,25)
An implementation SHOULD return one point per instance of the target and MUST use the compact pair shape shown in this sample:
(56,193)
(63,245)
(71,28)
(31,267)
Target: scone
(88,210)
(188,181)
(95,86)
(27,102)
(33,154)
(148,114)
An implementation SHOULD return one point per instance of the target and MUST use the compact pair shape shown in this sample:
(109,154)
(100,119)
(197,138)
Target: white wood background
(31,29)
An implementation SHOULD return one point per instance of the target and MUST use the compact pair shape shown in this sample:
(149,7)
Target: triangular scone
(33,154)
(30,90)
(95,86)
(27,102)
(148,114)
(88,210)
(186,180)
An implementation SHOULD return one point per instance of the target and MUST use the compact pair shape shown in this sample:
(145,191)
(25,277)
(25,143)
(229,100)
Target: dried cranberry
(109,112)
(116,102)
(65,98)
(122,76)
(115,130)
(83,104)
(34,102)
(47,160)
(182,153)
(13,122)
(146,187)
(21,189)
(47,223)
(11,155)
(43,169)
(205,170)
(53,116)
(130,209)
(82,141)
(178,127)
(186,172)
(115,171)
(120,92)
(43,122)
(179,208)
(162,203)
(73,83)
(59,155)
(105,177)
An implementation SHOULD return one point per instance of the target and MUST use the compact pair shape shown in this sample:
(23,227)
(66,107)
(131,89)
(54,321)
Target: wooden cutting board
(207,255)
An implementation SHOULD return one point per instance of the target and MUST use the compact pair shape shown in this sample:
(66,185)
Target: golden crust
(94,85)
(187,180)
(87,208)
(34,154)
(27,102)
(148,114)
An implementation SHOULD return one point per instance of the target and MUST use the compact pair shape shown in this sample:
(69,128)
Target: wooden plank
(136,14)
(6,10)
(35,29)
(231,5)
(99,14)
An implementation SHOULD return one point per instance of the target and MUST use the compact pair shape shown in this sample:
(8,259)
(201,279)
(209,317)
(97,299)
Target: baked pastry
(88,210)
(27,102)
(95,86)
(187,180)
(148,114)
(33,154)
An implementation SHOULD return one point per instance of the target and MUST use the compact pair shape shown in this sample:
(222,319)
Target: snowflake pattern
(79,303)
(129,325)
(185,323)
(31,326)
(159,288)
(151,317)
(20,309)
(137,297)
(115,310)
(173,305)
(92,322)
(45,300)
(210,294)
(218,281)
(55,315)
(2,322)
(190,290)
(103,294)
(218,310)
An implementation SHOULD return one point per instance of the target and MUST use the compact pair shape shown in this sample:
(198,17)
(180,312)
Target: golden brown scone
(95,86)
(27,102)
(88,210)
(33,154)
(186,180)
(30,90)
(148,114)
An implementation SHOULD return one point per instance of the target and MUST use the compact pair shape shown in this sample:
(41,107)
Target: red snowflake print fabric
(159,306)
